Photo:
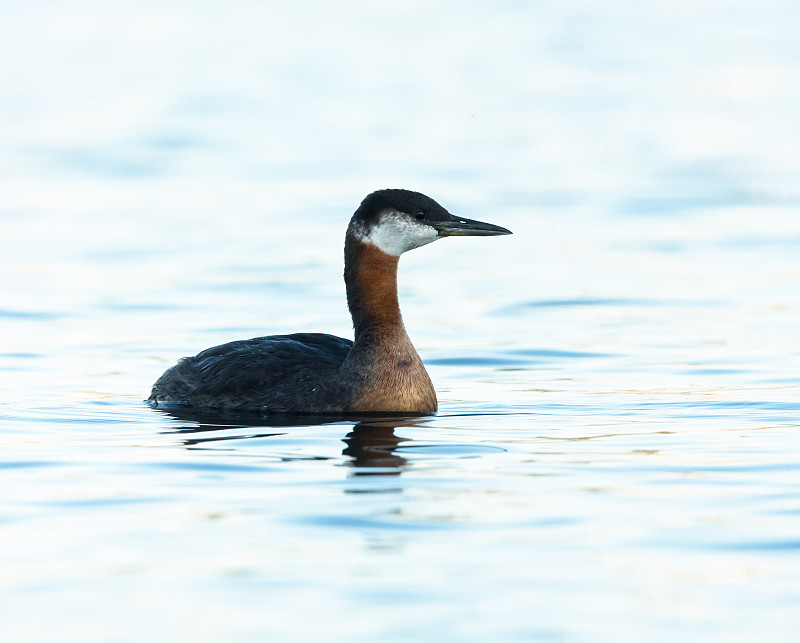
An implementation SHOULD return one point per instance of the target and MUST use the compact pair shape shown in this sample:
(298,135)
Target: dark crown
(406,201)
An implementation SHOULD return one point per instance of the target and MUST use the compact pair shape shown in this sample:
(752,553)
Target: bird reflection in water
(371,444)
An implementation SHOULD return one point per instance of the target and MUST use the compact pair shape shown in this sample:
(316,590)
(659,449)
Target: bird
(379,372)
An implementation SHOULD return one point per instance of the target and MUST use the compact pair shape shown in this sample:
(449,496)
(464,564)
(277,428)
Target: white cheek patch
(394,234)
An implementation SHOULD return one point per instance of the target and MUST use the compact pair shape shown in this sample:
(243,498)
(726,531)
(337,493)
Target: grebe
(380,372)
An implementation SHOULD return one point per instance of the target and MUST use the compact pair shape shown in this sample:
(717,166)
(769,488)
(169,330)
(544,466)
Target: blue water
(617,452)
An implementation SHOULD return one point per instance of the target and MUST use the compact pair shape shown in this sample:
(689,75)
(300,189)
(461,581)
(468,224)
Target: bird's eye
(420,215)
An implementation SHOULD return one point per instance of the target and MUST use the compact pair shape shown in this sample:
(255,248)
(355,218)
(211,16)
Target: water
(616,455)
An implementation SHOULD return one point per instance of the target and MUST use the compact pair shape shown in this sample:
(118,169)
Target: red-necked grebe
(380,372)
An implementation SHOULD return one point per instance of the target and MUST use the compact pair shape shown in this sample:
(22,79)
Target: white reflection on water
(616,456)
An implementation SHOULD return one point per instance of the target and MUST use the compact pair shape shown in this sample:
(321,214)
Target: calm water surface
(617,453)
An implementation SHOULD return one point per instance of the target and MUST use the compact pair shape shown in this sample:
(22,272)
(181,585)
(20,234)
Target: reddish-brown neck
(388,372)
(370,277)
